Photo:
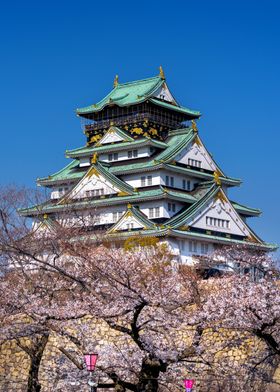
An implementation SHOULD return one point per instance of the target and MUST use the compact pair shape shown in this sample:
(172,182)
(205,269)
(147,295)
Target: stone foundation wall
(229,352)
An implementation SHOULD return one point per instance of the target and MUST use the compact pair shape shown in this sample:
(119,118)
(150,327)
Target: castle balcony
(161,119)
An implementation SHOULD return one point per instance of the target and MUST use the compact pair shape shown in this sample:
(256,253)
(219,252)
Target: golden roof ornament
(129,206)
(45,216)
(194,126)
(161,73)
(116,81)
(94,158)
(217,178)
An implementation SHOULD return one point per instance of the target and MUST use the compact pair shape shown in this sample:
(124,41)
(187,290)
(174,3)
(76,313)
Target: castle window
(94,192)
(182,245)
(184,184)
(154,212)
(129,226)
(157,212)
(194,162)
(216,222)
(113,157)
(204,248)
(171,207)
(143,181)
(167,180)
(171,181)
(150,180)
(193,246)
(132,153)
(188,185)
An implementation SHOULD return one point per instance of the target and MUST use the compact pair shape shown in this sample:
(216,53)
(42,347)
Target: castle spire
(116,81)
(161,73)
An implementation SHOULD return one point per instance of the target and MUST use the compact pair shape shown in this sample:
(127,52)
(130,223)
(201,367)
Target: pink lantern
(90,360)
(188,385)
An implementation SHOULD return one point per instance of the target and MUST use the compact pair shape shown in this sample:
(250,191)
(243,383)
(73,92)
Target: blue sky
(220,57)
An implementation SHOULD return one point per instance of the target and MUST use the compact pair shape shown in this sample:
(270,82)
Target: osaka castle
(144,171)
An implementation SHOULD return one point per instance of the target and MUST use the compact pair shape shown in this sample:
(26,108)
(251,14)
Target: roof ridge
(190,210)
(138,81)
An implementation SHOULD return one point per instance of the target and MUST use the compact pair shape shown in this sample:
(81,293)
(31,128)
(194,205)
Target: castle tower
(145,172)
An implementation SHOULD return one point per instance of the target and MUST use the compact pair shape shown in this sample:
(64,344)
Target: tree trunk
(35,353)
(150,371)
(119,388)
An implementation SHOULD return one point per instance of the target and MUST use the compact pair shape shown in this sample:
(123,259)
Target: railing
(160,119)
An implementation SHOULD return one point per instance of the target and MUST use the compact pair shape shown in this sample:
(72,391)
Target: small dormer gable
(164,93)
(114,135)
(219,215)
(131,220)
(97,182)
(196,155)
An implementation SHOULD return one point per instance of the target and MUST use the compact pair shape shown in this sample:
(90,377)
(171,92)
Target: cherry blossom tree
(65,281)
(247,299)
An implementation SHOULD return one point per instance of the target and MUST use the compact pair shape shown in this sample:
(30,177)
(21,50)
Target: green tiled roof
(158,232)
(246,210)
(85,151)
(190,234)
(132,93)
(68,173)
(175,143)
(143,195)
(176,108)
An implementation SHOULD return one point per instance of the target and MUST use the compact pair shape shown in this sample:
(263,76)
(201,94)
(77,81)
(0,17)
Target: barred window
(204,248)
(217,222)
(143,181)
(194,162)
(193,246)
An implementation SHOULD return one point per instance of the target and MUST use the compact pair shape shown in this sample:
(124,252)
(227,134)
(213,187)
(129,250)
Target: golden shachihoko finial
(194,126)
(161,73)
(217,178)
(116,81)
(94,158)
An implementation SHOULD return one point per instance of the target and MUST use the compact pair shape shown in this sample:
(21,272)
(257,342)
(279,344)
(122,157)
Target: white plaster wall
(198,153)
(60,191)
(178,179)
(143,152)
(169,214)
(84,162)
(164,93)
(135,179)
(181,248)
(159,178)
